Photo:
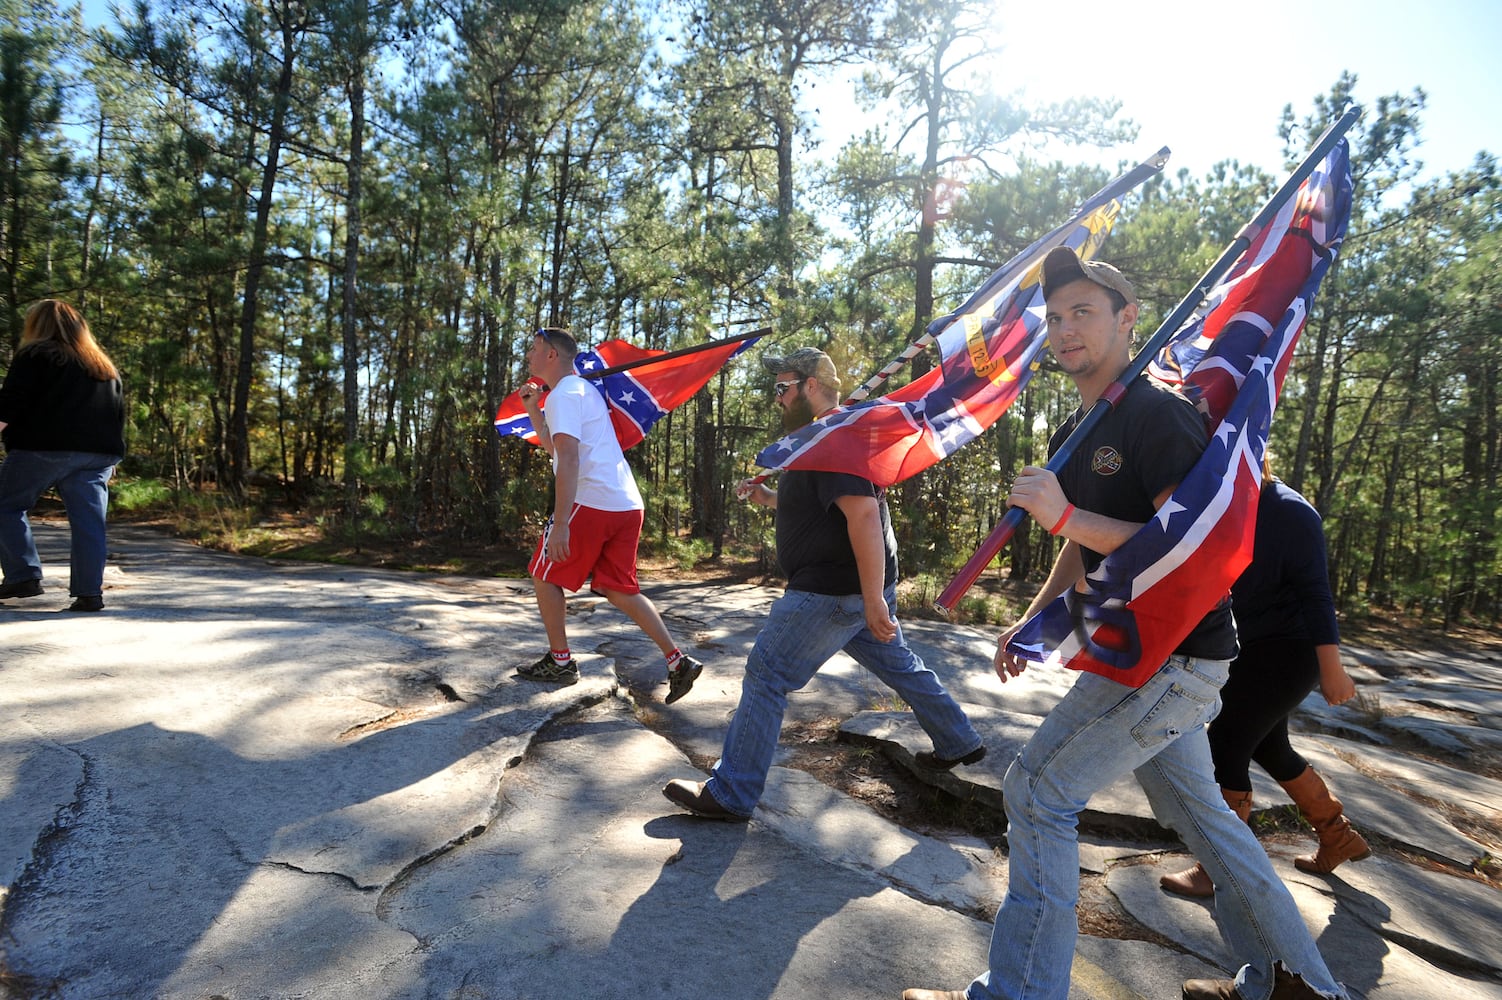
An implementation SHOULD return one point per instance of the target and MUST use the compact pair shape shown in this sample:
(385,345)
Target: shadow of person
(745,913)
(735,905)
(1351,942)
(1367,945)
(590,884)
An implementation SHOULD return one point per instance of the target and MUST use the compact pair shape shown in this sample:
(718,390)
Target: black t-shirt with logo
(813,538)
(1147,442)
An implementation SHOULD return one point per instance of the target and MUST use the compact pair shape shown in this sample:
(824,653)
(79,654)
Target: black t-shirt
(52,406)
(1285,592)
(813,538)
(1147,442)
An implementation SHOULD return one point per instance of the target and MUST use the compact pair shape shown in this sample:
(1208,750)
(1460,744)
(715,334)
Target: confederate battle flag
(637,398)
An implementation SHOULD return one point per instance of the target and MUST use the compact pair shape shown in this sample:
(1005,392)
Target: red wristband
(1059,524)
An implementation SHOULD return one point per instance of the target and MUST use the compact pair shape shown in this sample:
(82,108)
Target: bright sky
(1210,79)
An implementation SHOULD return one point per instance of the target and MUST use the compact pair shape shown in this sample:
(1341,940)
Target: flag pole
(1120,186)
(1008,525)
(681,352)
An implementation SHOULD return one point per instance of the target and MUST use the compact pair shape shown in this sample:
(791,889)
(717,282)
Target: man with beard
(836,547)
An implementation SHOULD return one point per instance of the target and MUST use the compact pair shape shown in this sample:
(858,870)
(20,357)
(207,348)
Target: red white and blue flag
(1230,357)
(989,349)
(637,398)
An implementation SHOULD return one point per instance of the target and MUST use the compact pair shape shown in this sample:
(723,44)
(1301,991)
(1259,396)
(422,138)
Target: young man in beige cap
(1115,482)
(836,547)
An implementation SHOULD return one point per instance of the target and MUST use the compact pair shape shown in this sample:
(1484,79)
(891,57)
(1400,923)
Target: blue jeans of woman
(802,632)
(81,479)
(1097,733)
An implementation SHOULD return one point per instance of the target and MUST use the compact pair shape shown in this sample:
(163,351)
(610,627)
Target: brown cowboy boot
(1195,882)
(1337,841)
(1286,986)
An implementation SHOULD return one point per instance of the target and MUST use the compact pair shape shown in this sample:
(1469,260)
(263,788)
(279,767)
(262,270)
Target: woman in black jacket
(62,418)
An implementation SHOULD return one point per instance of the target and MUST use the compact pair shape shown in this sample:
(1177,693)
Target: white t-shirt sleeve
(565,408)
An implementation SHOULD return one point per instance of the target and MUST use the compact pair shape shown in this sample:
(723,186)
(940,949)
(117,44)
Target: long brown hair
(56,328)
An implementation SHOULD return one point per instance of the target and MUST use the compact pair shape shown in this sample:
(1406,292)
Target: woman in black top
(1290,645)
(62,418)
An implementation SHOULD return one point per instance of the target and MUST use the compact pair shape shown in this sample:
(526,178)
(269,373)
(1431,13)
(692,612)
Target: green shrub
(687,552)
(138,494)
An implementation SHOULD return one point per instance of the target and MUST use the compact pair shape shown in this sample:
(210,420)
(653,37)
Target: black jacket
(52,406)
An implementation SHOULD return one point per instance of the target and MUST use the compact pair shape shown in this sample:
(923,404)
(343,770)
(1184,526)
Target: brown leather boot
(1338,843)
(1286,986)
(1195,882)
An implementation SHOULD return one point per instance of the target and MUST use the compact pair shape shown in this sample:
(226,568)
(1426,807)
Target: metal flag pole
(1115,189)
(682,351)
(1008,525)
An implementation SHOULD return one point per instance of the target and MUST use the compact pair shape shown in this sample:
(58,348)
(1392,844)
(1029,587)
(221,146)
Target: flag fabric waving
(637,398)
(988,351)
(1230,357)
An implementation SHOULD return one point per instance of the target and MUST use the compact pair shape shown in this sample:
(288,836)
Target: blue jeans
(1097,733)
(80,478)
(802,632)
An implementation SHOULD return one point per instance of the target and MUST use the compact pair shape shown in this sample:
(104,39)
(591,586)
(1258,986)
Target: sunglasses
(780,388)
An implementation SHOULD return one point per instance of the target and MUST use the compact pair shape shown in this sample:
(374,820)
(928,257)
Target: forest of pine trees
(315,236)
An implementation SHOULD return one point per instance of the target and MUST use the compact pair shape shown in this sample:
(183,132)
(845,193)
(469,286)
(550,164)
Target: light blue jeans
(1097,733)
(81,478)
(802,632)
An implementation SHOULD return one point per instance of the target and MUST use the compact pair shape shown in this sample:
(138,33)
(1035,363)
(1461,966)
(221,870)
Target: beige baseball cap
(1063,265)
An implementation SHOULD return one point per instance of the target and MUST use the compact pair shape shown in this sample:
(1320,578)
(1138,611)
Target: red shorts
(601,543)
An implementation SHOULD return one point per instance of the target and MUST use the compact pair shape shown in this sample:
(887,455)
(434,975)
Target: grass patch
(132,495)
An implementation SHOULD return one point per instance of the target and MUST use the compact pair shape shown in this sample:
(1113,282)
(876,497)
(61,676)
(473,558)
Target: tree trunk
(239,430)
(348,326)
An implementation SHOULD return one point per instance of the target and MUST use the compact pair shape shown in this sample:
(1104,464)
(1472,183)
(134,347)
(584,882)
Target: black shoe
(681,678)
(930,761)
(87,604)
(1286,986)
(22,588)
(548,671)
(693,796)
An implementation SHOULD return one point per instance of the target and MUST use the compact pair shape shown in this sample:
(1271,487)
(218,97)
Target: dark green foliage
(316,237)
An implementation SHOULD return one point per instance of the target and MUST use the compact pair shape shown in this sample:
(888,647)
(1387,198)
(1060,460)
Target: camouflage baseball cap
(809,362)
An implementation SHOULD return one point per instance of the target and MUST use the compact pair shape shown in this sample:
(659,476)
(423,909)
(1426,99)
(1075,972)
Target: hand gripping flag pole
(1004,530)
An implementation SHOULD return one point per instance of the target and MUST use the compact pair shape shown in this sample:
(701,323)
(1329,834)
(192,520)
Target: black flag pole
(1008,525)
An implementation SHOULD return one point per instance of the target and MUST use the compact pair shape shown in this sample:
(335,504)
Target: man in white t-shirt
(597,514)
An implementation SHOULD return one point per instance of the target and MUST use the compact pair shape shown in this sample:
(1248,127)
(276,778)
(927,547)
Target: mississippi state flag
(1230,357)
(988,351)
(637,398)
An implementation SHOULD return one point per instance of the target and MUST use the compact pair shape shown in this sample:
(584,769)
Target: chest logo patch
(1106,461)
